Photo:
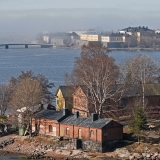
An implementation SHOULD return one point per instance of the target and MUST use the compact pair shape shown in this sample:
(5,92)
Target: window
(57,102)
(91,133)
(50,128)
(67,131)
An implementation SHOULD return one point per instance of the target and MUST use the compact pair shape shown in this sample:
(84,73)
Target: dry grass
(143,147)
(95,154)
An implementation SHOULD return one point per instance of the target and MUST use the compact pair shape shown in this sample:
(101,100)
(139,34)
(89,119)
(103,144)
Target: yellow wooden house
(64,98)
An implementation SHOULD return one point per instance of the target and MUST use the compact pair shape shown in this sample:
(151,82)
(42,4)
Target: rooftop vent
(65,112)
(76,114)
(94,117)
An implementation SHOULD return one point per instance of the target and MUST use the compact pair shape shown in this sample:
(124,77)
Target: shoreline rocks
(124,154)
(6,142)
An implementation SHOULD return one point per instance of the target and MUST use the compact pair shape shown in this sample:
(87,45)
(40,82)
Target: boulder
(76,152)
(136,155)
(122,153)
(58,151)
(66,152)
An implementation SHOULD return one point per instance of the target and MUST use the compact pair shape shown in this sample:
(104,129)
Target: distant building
(61,41)
(90,37)
(46,39)
(132,30)
(113,40)
(57,41)
(157,31)
(137,31)
(78,32)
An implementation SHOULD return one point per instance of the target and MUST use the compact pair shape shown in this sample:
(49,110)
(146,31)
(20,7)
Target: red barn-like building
(89,133)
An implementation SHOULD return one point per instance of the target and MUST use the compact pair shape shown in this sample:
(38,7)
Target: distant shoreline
(115,49)
(79,48)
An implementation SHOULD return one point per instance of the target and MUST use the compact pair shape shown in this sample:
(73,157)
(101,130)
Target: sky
(27,18)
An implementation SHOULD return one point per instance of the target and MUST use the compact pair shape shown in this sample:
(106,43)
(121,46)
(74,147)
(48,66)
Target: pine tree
(139,121)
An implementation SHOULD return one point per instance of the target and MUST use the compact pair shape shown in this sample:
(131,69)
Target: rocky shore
(44,147)
(56,149)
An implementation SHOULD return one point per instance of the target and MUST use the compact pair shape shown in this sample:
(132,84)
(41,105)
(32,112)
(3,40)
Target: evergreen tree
(139,121)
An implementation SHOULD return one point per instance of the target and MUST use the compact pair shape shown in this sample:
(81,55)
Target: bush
(3,118)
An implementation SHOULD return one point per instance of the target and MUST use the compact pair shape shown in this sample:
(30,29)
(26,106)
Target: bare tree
(96,70)
(5,94)
(141,69)
(26,95)
(46,85)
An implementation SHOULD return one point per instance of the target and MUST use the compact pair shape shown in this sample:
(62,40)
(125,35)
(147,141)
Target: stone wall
(92,146)
(100,147)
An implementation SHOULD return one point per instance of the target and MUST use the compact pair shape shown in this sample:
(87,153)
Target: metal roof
(50,114)
(86,122)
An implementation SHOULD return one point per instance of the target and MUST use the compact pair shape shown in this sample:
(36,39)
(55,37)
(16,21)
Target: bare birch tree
(141,69)
(26,95)
(96,70)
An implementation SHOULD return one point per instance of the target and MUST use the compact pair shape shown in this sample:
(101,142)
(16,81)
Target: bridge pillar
(6,46)
(26,45)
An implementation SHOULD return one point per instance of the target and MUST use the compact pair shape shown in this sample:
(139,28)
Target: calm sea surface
(50,62)
(10,158)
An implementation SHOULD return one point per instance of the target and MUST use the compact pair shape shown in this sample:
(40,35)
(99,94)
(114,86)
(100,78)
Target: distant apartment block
(113,38)
(90,37)
(137,31)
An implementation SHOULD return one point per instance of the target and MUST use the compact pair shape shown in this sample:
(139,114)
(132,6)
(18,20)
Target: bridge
(6,45)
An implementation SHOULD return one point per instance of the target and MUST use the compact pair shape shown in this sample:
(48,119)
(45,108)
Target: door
(79,133)
(54,131)
(61,131)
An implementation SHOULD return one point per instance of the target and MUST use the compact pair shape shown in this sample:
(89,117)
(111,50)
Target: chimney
(65,112)
(76,114)
(94,117)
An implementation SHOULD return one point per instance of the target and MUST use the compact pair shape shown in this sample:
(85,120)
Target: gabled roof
(50,114)
(67,91)
(149,90)
(86,122)
(83,88)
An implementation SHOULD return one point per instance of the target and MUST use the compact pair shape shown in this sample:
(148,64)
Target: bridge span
(6,45)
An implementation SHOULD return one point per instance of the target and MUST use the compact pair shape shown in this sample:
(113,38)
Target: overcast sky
(30,17)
